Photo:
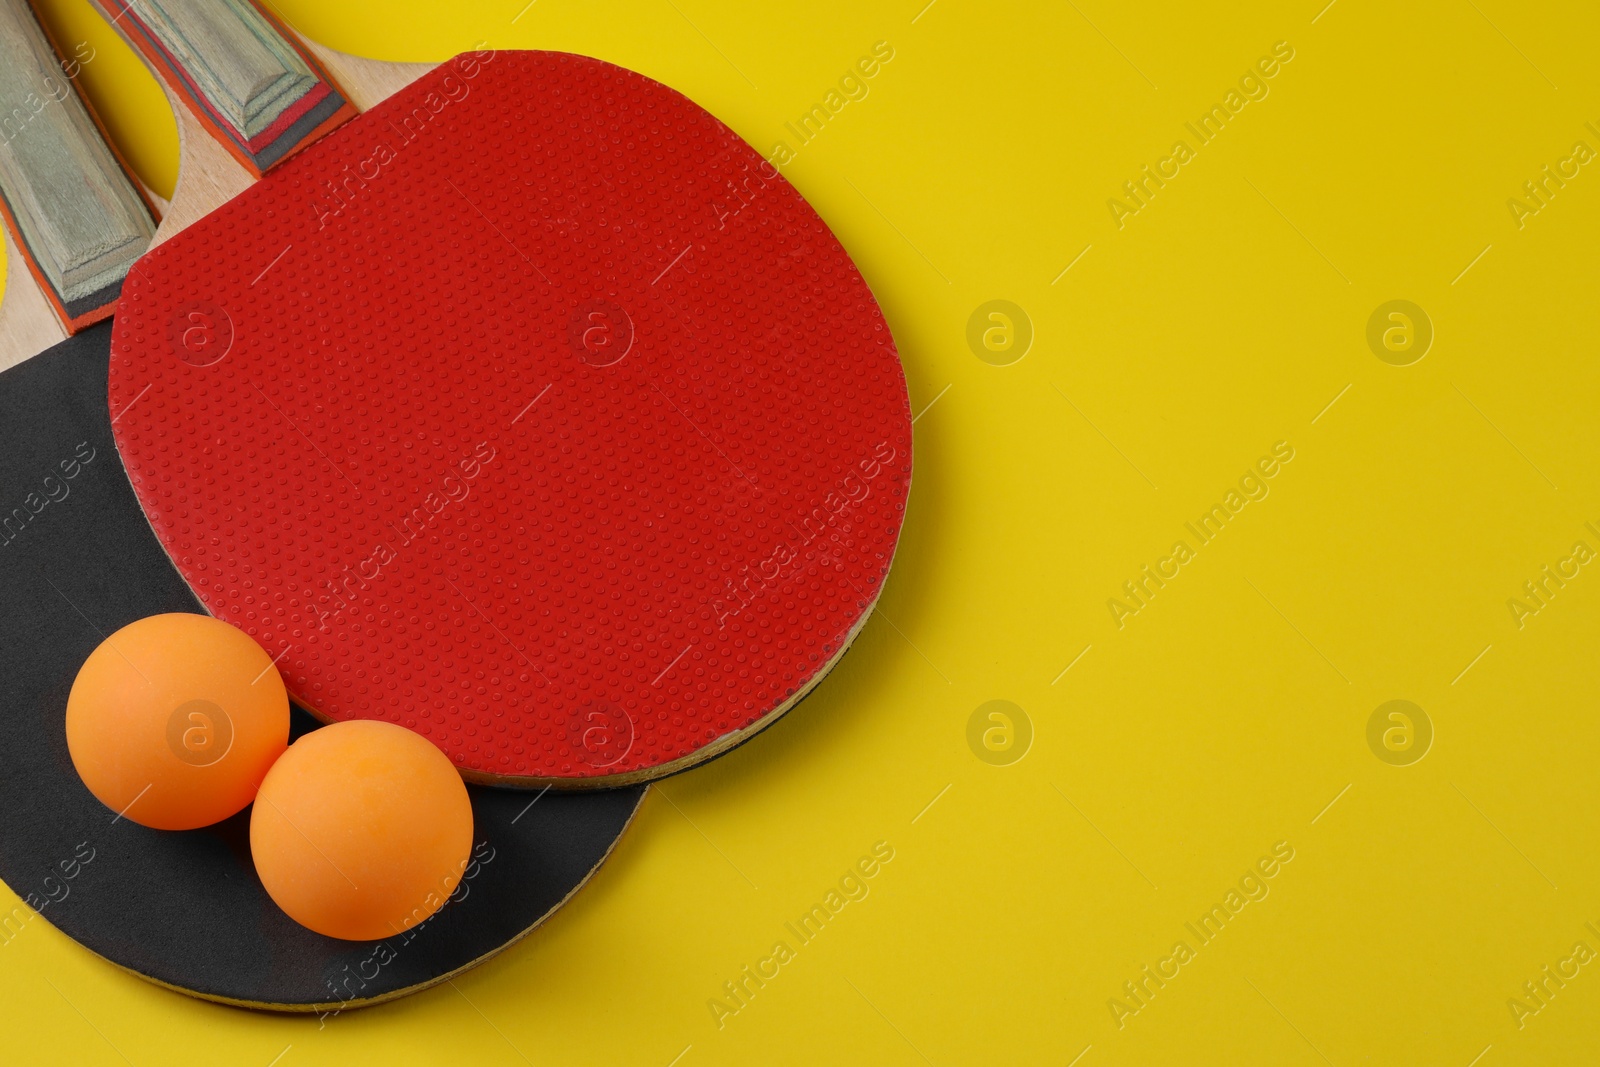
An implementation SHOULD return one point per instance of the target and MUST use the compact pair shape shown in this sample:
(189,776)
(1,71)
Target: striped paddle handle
(243,75)
(71,208)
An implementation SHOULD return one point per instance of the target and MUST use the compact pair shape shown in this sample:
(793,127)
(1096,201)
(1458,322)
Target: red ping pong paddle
(531,410)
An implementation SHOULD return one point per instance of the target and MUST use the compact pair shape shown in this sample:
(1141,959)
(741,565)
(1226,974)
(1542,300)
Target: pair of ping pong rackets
(78,560)
(529,409)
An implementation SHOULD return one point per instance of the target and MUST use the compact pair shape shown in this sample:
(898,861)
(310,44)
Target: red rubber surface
(572,439)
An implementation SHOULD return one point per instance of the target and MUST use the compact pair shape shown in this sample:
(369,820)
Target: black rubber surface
(78,561)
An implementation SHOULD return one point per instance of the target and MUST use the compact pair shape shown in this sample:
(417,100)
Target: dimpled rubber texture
(532,411)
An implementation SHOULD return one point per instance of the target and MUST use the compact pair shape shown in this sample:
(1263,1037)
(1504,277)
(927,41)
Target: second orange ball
(361,830)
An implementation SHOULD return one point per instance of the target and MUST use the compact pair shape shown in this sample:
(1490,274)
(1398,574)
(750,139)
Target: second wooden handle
(247,81)
(74,212)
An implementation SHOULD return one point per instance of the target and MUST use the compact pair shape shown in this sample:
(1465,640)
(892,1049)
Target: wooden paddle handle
(72,210)
(246,79)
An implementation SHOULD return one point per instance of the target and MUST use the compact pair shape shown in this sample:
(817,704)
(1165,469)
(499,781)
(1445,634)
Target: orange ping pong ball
(361,830)
(174,720)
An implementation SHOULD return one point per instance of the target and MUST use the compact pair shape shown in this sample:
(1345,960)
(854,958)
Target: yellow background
(1226,715)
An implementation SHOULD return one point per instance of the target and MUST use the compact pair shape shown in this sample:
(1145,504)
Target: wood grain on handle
(236,68)
(73,211)
(28,324)
(367,82)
